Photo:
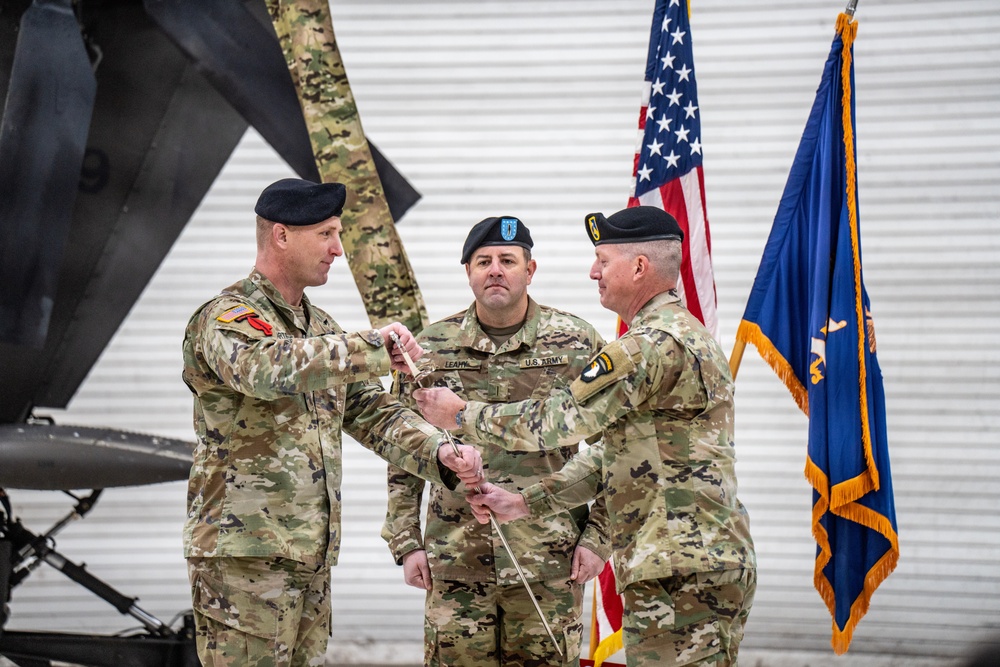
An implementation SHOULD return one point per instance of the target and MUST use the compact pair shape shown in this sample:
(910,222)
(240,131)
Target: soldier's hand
(586,565)
(439,405)
(467,464)
(416,572)
(506,506)
(406,342)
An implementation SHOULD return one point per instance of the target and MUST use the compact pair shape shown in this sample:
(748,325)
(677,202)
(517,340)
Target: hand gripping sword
(493,520)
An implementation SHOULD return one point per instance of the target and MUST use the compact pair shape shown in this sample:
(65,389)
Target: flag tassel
(750,332)
(841,640)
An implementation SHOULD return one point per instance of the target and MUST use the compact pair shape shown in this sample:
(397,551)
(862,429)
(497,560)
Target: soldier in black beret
(507,347)
(271,375)
(505,230)
(293,201)
(633,225)
(661,397)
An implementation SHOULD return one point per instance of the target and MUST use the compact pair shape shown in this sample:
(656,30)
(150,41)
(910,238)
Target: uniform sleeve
(621,377)
(401,528)
(596,534)
(257,363)
(382,424)
(575,484)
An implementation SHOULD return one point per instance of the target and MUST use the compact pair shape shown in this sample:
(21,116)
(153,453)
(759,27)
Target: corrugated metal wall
(529,108)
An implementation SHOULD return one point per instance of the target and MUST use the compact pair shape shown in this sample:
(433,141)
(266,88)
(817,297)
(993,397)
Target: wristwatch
(458,418)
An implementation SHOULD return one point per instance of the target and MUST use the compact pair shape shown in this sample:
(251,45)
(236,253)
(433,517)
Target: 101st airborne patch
(610,365)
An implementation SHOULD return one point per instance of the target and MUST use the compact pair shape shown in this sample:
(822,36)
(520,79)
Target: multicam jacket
(550,350)
(663,396)
(273,389)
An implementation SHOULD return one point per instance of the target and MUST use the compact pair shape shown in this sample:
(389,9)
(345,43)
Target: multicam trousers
(487,625)
(696,619)
(260,612)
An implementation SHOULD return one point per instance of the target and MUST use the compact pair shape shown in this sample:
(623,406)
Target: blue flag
(809,316)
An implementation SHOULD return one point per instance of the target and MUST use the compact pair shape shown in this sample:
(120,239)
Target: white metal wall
(528,108)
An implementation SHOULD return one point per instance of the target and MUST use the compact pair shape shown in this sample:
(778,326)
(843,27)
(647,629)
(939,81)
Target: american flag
(667,174)
(668,161)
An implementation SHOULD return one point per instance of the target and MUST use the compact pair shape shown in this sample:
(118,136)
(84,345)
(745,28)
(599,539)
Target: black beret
(633,225)
(506,230)
(292,201)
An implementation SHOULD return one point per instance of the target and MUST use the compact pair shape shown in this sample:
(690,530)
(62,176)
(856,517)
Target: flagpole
(736,357)
(851,6)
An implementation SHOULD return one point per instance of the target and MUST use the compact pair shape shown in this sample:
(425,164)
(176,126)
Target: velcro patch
(612,364)
(540,362)
(234,314)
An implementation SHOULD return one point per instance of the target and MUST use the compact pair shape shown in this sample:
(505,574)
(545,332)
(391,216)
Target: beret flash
(292,201)
(506,230)
(633,225)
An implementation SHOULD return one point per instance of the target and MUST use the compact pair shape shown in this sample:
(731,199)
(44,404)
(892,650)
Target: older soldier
(504,347)
(275,379)
(663,396)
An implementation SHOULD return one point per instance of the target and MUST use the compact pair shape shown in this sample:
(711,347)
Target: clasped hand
(467,463)
(407,343)
(439,405)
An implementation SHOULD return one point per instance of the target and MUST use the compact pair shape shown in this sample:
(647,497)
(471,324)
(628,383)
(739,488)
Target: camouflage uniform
(259,612)
(273,388)
(375,253)
(472,574)
(663,396)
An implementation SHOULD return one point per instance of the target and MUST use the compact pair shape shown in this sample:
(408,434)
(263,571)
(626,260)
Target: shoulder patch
(601,365)
(610,365)
(234,314)
(244,313)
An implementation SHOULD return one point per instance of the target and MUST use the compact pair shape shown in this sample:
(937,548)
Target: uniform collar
(271,293)
(471,334)
(653,305)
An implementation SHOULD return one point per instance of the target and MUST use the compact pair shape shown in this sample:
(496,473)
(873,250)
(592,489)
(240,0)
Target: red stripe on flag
(672,193)
(609,596)
(684,199)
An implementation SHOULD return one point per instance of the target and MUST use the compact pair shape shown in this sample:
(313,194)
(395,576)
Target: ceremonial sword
(493,520)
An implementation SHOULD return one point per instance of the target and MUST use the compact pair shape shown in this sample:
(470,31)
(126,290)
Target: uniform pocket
(287,409)
(572,637)
(431,657)
(668,621)
(235,608)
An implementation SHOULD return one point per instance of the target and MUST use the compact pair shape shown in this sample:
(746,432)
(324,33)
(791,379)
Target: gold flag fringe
(848,31)
(607,648)
(749,332)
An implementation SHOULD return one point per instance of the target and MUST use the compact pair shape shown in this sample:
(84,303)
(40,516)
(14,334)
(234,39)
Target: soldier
(504,347)
(663,396)
(274,380)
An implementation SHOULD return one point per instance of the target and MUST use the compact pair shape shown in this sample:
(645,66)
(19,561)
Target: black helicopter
(118,116)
